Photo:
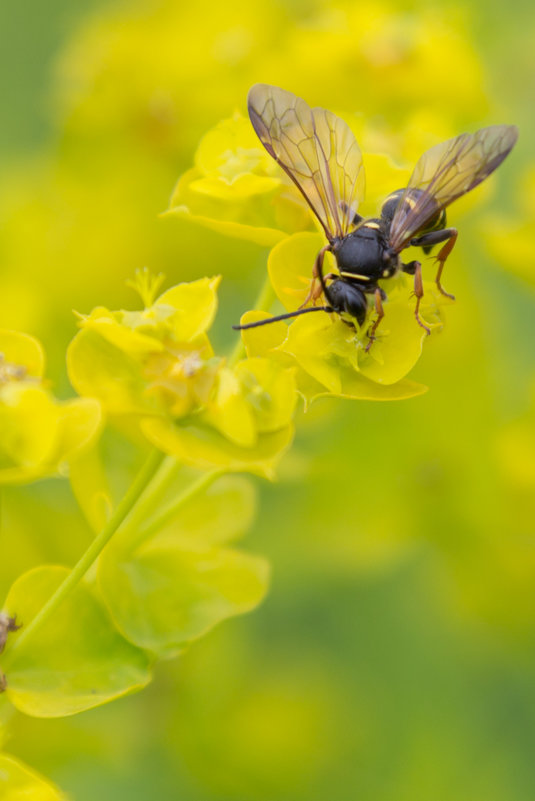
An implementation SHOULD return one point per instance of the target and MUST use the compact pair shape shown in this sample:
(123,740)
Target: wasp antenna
(280,317)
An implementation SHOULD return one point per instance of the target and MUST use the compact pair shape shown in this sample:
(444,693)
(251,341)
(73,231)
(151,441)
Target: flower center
(11,372)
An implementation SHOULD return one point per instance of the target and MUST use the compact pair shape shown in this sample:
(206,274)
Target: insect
(318,151)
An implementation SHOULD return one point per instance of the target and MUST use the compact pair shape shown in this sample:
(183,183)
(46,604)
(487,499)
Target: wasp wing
(316,149)
(444,173)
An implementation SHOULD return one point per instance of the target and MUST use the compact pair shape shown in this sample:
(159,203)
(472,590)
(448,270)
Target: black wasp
(320,154)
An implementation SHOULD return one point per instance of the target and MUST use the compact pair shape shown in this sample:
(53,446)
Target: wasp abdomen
(410,198)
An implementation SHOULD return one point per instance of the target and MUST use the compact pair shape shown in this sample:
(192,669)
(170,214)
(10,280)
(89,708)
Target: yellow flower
(257,396)
(157,360)
(245,425)
(331,356)
(38,433)
(237,189)
(154,370)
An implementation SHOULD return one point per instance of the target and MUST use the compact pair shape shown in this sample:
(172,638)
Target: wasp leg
(379,297)
(317,275)
(447,235)
(419,293)
(410,268)
(315,290)
(3,683)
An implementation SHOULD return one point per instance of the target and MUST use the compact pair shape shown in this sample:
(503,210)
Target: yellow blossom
(38,433)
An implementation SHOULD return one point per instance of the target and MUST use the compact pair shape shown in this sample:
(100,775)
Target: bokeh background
(395,655)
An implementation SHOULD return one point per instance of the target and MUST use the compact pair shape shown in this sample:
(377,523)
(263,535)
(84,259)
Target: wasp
(318,151)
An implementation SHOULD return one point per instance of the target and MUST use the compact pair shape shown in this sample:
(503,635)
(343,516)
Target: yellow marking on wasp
(411,203)
(371,225)
(386,273)
(355,275)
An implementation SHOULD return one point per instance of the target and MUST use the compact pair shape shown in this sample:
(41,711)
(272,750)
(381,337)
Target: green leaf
(204,448)
(174,585)
(219,513)
(77,660)
(170,592)
(19,783)
(80,420)
(228,509)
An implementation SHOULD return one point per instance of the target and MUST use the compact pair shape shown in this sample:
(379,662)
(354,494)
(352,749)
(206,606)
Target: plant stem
(153,493)
(151,482)
(169,512)
(264,302)
(128,501)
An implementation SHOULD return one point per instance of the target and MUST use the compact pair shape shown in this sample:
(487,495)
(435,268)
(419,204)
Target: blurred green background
(394,658)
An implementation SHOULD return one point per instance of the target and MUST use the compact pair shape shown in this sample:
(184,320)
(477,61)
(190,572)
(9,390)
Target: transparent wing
(444,173)
(316,149)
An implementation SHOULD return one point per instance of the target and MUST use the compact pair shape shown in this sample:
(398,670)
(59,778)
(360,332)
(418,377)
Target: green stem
(170,511)
(151,482)
(264,302)
(131,497)
(153,494)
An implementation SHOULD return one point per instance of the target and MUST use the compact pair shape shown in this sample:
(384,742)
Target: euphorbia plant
(163,567)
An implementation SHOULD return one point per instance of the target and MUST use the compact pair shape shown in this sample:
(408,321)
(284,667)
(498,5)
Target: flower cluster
(231,183)
(155,370)
(331,355)
(236,189)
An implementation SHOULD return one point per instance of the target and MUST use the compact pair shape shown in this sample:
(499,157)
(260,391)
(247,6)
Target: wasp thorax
(390,263)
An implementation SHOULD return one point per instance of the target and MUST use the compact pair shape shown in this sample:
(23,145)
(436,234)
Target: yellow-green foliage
(392,658)
(21,782)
